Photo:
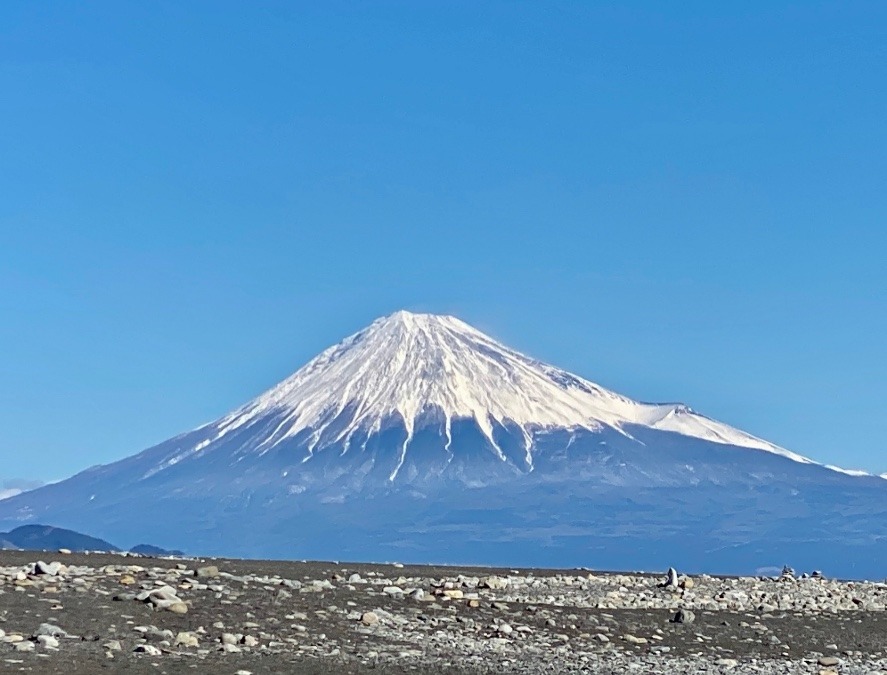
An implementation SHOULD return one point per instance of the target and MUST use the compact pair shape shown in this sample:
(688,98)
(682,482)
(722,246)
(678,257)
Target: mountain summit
(421,437)
(415,371)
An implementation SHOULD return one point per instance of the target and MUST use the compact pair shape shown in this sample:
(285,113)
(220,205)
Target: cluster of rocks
(468,622)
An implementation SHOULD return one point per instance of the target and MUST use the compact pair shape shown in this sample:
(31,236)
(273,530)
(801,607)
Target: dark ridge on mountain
(153,551)
(48,538)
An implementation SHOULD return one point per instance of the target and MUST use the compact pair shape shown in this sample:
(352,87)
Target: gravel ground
(77,614)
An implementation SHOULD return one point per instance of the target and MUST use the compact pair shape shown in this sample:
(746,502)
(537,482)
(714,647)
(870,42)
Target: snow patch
(848,472)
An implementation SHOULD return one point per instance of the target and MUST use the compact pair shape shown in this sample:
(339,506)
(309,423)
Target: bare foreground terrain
(78,614)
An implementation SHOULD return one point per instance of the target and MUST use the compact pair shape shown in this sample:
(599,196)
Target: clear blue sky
(679,201)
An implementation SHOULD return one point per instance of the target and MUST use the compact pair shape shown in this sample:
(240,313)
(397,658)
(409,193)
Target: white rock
(150,650)
(51,630)
(48,642)
(187,639)
(50,569)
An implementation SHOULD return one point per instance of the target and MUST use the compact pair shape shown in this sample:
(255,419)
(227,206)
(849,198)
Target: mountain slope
(422,436)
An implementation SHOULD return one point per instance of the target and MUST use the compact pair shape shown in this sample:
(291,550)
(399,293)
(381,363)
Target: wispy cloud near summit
(15,486)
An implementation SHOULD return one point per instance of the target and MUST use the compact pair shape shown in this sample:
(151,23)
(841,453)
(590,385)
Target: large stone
(671,579)
(633,639)
(493,583)
(150,650)
(48,642)
(49,569)
(207,572)
(158,595)
(187,639)
(683,616)
(369,618)
(163,598)
(51,630)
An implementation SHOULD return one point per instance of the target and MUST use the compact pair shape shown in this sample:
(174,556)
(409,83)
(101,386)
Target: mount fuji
(421,439)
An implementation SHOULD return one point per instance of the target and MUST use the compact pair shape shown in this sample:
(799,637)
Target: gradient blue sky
(679,201)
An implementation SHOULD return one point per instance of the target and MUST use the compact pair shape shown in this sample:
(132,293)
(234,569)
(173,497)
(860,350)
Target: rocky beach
(87,613)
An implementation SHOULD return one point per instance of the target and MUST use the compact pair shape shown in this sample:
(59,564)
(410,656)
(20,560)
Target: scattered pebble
(207,615)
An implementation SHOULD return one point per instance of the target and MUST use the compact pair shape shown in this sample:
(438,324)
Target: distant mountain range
(421,439)
(48,538)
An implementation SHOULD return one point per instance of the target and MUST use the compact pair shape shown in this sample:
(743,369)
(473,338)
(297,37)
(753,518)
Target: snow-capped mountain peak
(421,434)
(414,368)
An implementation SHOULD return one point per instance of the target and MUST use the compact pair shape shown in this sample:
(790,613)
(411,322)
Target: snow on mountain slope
(418,368)
(683,420)
(847,472)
